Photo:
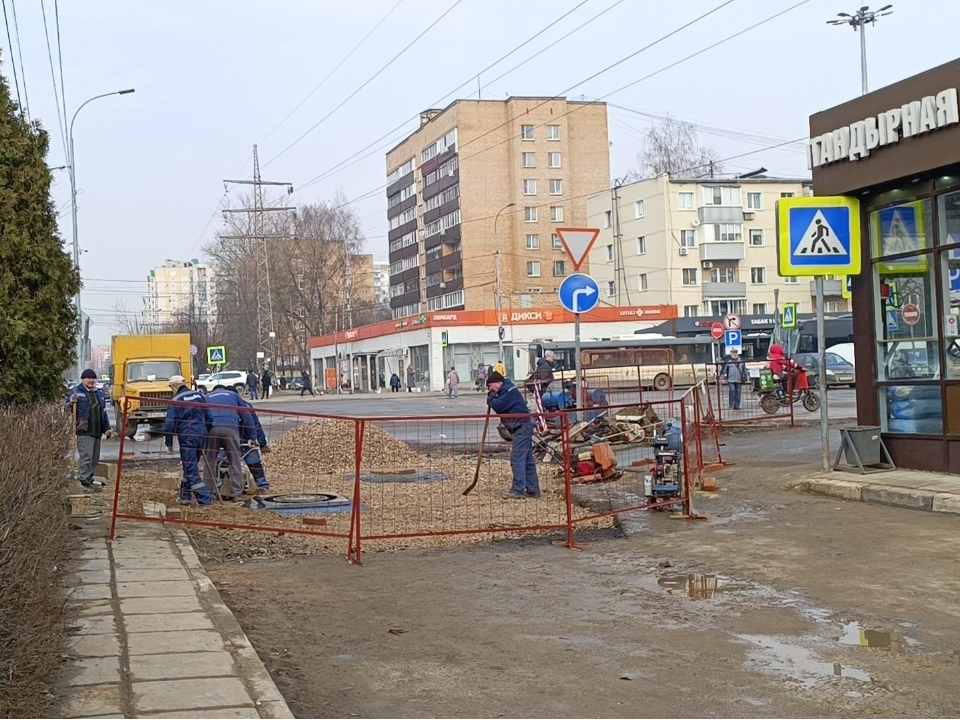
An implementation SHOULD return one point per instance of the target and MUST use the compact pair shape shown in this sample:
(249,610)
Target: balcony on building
(722,250)
(721,214)
(724,290)
(831,288)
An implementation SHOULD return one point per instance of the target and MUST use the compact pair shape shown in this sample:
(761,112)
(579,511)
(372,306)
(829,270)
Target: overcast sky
(213,78)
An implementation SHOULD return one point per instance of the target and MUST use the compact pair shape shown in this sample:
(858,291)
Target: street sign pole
(822,375)
(576,361)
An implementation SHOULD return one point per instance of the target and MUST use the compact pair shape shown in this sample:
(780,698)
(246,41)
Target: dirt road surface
(782,605)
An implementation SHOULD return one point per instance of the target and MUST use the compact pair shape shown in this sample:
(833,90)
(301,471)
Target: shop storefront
(897,150)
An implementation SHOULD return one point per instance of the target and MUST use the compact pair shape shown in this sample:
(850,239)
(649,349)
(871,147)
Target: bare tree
(128,323)
(673,147)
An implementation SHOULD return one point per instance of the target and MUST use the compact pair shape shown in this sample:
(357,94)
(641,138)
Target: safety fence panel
(301,483)
(708,426)
(739,403)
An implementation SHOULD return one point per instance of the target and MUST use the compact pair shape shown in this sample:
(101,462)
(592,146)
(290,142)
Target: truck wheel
(662,382)
(131,428)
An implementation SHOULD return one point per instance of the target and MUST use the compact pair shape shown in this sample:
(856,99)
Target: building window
(759,308)
(758,275)
(831,306)
(754,201)
(555,242)
(723,275)
(553,133)
(407,167)
(722,195)
(642,282)
(553,160)
(725,307)
(756,237)
(688,238)
(607,218)
(611,288)
(526,132)
(529,187)
(689,276)
(556,213)
(691,310)
(729,232)
(609,253)
(787,194)
(530,214)
(533,269)
(556,187)
(529,160)
(642,245)
(638,209)
(685,201)
(791,281)
(559,268)
(533,242)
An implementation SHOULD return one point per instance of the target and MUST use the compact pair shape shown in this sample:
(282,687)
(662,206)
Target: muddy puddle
(776,656)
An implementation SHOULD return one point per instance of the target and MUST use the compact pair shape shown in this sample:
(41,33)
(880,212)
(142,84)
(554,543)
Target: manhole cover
(302,503)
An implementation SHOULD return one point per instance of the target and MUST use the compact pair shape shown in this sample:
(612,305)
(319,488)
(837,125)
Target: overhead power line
(330,74)
(13,60)
(366,82)
(63,91)
(23,69)
(53,77)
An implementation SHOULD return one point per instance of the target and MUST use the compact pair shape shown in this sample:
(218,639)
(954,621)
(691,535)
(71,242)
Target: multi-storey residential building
(515,169)
(381,282)
(707,246)
(177,289)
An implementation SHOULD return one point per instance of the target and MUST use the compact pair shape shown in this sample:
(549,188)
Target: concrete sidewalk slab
(909,489)
(154,638)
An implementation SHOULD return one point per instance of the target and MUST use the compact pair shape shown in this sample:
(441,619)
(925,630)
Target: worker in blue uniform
(224,403)
(505,398)
(252,432)
(189,421)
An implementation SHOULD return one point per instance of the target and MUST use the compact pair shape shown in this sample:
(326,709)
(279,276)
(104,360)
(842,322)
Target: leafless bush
(34,539)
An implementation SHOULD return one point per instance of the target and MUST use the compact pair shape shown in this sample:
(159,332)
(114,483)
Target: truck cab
(142,368)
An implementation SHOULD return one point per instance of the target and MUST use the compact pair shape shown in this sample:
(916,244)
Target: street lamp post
(73,211)
(499,297)
(859,21)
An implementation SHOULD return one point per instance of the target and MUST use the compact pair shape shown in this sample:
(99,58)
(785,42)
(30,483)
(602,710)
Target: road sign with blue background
(579,293)
(789,318)
(733,340)
(216,355)
(818,236)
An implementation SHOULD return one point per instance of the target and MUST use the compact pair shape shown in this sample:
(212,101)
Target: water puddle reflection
(795,662)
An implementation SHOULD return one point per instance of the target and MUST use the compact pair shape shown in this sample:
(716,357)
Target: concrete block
(92,671)
(226,713)
(174,513)
(946,502)
(898,497)
(93,646)
(91,592)
(163,588)
(154,509)
(159,643)
(106,470)
(149,606)
(842,489)
(151,574)
(169,481)
(165,695)
(309,520)
(167,622)
(181,665)
(93,625)
(92,701)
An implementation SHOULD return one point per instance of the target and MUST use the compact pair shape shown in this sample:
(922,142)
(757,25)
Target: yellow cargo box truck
(142,368)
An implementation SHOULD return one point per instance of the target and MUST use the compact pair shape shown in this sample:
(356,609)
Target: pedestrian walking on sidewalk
(734,372)
(189,421)
(91,422)
(453,383)
(505,399)
(253,383)
(226,426)
(411,378)
(395,383)
(480,377)
(307,384)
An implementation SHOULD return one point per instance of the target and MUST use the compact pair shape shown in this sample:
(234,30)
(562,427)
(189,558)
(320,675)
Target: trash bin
(865,439)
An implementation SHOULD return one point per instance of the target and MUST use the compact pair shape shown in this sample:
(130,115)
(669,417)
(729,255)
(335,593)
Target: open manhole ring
(303,500)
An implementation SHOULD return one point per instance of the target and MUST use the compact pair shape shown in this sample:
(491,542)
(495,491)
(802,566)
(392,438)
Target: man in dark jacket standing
(504,398)
(188,420)
(307,383)
(734,371)
(227,426)
(253,384)
(267,380)
(90,414)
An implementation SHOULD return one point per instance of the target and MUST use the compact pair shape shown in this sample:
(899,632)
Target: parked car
(844,350)
(839,371)
(227,378)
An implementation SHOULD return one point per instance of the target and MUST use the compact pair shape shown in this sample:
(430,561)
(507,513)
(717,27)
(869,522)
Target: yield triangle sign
(820,239)
(577,242)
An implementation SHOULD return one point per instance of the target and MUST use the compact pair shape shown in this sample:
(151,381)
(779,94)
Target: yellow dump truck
(142,367)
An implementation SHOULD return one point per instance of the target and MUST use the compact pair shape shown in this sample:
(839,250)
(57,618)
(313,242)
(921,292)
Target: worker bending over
(505,399)
(189,421)
(252,432)
(225,435)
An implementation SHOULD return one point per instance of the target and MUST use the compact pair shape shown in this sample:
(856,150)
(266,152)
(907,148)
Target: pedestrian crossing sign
(789,319)
(818,236)
(216,355)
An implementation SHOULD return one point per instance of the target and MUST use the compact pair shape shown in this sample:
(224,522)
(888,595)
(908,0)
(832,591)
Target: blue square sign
(818,236)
